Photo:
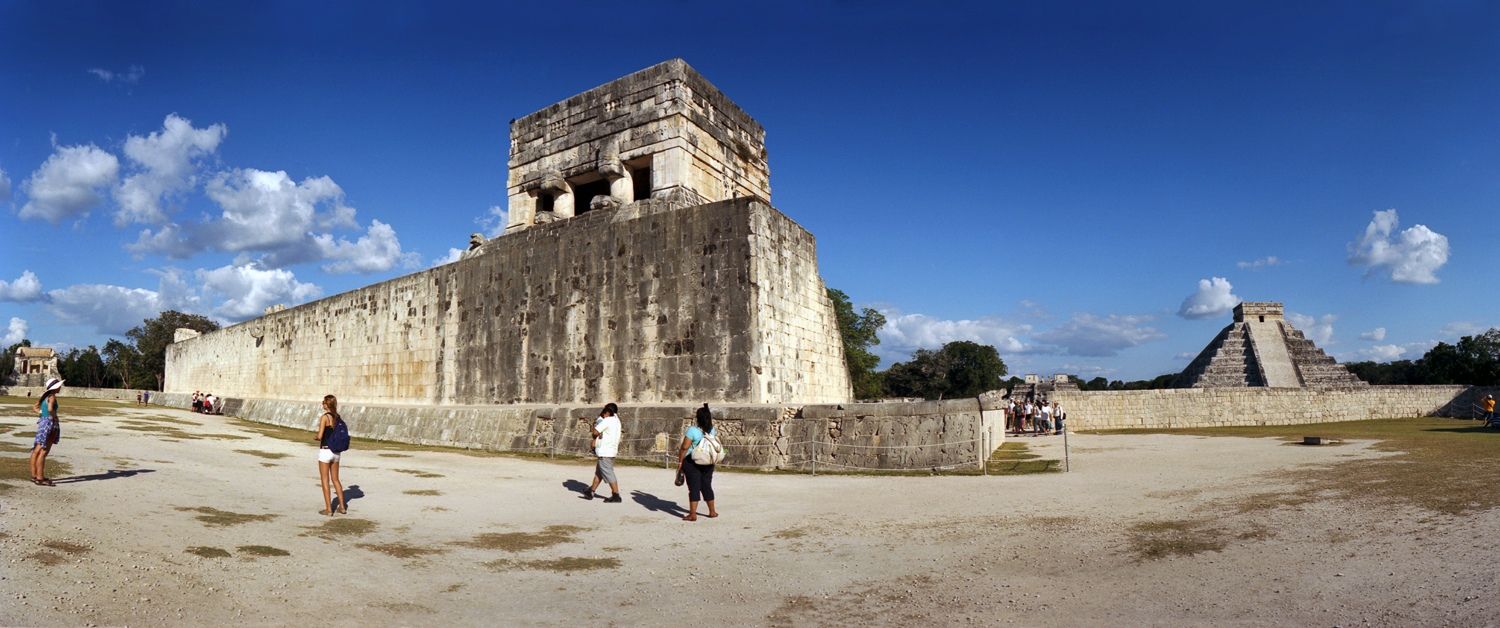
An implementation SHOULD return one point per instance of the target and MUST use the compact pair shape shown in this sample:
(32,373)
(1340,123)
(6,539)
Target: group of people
(206,403)
(697,455)
(1032,416)
(143,398)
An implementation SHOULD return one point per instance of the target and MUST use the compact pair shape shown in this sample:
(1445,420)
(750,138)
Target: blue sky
(1086,186)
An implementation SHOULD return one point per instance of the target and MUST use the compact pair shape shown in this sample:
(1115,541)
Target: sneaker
(588,494)
(613,499)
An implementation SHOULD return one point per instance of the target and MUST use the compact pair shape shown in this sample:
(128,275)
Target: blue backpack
(338,440)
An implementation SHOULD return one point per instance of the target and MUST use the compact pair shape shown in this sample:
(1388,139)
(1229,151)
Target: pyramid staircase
(1261,349)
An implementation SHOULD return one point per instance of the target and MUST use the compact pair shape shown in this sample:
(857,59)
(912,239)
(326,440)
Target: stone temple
(1260,348)
(35,365)
(642,263)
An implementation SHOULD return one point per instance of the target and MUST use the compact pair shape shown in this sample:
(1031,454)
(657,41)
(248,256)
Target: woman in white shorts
(328,460)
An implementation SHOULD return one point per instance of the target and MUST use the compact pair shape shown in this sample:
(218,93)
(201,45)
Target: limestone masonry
(643,263)
(1260,348)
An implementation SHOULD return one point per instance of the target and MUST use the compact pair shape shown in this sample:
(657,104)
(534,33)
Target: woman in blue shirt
(700,477)
(48,432)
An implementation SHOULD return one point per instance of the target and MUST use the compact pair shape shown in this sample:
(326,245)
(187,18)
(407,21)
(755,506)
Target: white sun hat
(53,384)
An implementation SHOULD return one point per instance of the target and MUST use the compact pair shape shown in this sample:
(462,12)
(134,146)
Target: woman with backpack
(333,441)
(699,452)
(48,432)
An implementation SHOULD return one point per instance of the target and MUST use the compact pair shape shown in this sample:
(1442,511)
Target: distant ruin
(34,366)
(1262,349)
(642,263)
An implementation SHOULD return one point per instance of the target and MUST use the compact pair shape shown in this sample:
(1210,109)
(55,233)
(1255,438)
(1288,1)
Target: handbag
(709,450)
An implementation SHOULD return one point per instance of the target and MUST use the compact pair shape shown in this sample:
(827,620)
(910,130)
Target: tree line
(138,361)
(959,369)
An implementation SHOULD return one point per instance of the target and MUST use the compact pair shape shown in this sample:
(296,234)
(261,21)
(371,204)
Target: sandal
(45,482)
(325,513)
(343,510)
(692,517)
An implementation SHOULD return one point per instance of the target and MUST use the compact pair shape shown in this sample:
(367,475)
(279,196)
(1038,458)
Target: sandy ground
(1052,549)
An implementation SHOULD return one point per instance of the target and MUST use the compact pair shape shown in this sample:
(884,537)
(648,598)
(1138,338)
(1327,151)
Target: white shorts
(327,455)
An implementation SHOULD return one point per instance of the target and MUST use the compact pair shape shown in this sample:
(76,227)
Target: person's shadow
(107,475)
(576,487)
(351,492)
(657,504)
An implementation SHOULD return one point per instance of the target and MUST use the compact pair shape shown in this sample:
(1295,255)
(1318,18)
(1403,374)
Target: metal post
(1067,460)
(984,434)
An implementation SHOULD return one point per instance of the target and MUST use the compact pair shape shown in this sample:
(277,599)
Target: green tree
(121,361)
(83,367)
(960,369)
(151,340)
(8,360)
(859,331)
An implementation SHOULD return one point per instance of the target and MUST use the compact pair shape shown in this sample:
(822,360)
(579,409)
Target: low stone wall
(1223,407)
(848,437)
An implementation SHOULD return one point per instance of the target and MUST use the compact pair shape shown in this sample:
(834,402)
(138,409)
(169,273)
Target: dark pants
(1489,418)
(700,480)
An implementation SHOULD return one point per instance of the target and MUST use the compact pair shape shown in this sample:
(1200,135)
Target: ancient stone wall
(651,302)
(1223,407)
(823,438)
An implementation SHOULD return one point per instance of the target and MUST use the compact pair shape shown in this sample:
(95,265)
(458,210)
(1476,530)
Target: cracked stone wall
(652,302)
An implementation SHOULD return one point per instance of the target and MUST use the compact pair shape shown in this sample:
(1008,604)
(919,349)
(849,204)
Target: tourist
(211,404)
(1489,411)
(1025,416)
(48,431)
(1057,417)
(1046,418)
(1010,416)
(138,400)
(606,434)
(1036,419)
(197,401)
(333,440)
(700,477)
(146,398)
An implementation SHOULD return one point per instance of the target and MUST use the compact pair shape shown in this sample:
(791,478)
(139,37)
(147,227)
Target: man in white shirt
(606,446)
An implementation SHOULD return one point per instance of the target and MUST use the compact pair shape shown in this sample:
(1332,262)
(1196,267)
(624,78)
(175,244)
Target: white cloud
(113,310)
(1088,335)
(905,333)
(1318,330)
(275,222)
(69,183)
(1377,334)
(14,333)
(378,250)
(166,164)
(1214,297)
(1385,353)
(1414,256)
(1185,355)
(110,310)
(494,221)
(452,256)
(4,186)
(24,289)
(130,76)
(248,291)
(1269,260)
(1458,329)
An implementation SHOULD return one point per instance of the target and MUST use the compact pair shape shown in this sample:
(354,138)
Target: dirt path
(185,519)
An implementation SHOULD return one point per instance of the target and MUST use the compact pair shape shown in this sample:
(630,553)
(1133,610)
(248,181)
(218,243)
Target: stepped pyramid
(1260,348)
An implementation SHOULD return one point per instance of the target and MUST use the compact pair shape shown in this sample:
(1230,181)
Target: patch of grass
(1439,464)
(789,533)
(394,455)
(453,588)
(161,419)
(263,550)
(6,487)
(66,406)
(404,607)
(402,550)
(214,517)
(1154,540)
(426,492)
(1015,458)
(47,558)
(523,541)
(566,564)
(335,528)
(16,447)
(207,552)
(71,549)
(269,464)
(419,473)
(20,468)
(271,455)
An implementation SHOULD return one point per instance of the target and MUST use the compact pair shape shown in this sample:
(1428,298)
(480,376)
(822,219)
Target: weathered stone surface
(34,366)
(652,302)
(1225,407)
